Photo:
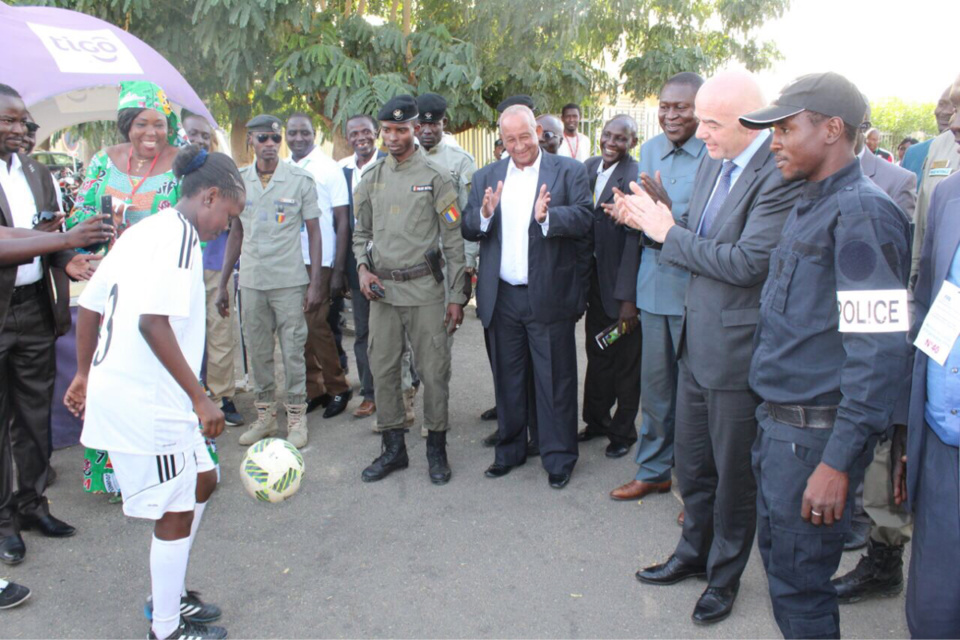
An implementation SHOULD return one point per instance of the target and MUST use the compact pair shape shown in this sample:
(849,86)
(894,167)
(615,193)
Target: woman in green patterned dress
(138,174)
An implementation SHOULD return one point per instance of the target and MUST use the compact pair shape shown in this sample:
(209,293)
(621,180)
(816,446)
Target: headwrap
(142,94)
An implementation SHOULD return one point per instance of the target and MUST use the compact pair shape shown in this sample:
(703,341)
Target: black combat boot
(393,456)
(437,457)
(878,574)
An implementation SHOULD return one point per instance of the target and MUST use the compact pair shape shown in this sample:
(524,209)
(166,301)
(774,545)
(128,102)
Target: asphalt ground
(402,558)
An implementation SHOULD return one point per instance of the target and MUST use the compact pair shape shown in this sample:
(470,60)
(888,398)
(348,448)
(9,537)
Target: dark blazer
(555,290)
(898,183)
(58,286)
(939,246)
(353,278)
(616,248)
(728,267)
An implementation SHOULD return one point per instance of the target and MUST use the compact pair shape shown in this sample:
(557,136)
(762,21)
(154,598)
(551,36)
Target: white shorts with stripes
(154,485)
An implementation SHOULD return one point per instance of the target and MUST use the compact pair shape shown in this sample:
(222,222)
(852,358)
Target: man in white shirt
(574,144)
(326,383)
(528,213)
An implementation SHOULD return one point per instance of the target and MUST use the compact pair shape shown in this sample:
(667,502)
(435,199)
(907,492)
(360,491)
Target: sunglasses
(549,135)
(263,137)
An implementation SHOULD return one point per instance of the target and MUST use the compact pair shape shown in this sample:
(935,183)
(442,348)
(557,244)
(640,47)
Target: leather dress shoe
(366,409)
(12,549)
(48,526)
(617,450)
(489,414)
(634,490)
(492,440)
(558,480)
(588,434)
(320,401)
(338,404)
(672,571)
(499,470)
(715,604)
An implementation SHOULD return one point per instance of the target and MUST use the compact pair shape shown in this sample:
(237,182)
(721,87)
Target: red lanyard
(573,152)
(144,178)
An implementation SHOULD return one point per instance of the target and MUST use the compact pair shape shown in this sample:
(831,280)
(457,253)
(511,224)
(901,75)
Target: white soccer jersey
(133,403)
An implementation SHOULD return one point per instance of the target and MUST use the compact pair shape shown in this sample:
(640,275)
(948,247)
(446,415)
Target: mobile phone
(106,209)
(378,290)
(609,335)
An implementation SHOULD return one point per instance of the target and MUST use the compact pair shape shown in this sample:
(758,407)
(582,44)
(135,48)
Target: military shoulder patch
(451,215)
(418,188)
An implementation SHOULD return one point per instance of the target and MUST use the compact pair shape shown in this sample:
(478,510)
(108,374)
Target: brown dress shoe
(634,490)
(366,409)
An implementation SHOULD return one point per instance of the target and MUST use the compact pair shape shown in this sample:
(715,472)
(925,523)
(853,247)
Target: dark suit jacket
(58,286)
(555,290)
(616,248)
(728,267)
(898,183)
(939,246)
(353,278)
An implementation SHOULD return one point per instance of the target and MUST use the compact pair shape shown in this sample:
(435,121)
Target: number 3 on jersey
(106,327)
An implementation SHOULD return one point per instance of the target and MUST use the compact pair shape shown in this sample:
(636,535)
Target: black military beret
(265,122)
(432,107)
(525,100)
(398,109)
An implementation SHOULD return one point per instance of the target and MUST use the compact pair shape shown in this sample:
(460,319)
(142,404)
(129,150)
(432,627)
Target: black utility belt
(27,292)
(796,415)
(408,273)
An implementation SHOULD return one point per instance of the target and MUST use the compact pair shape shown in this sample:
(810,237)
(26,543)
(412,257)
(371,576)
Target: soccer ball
(271,470)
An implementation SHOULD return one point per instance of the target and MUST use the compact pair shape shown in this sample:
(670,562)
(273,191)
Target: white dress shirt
(350,162)
(603,176)
(516,209)
(576,147)
(331,192)
(15,186)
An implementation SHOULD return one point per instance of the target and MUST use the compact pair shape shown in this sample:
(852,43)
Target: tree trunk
(407,19)
(393,11)
(242,154)
(361,7)
(348,8)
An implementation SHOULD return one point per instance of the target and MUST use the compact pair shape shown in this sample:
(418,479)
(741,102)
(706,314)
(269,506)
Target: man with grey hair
(527,212)
(873,143)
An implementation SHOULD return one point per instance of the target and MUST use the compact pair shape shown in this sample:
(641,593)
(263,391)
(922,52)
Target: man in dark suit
(527,212)
(613,372)
(33,312)
(933,430)
(737,209)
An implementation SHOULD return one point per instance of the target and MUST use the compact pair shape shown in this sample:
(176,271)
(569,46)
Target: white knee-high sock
(197,516)
(168,567)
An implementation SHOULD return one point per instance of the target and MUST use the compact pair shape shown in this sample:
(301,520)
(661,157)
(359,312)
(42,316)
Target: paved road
(401,558)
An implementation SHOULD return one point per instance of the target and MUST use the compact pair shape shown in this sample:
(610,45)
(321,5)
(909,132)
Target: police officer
(829,381)
(275,290)
(406,207)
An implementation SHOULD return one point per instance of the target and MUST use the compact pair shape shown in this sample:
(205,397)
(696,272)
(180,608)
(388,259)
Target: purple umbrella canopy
(68,66)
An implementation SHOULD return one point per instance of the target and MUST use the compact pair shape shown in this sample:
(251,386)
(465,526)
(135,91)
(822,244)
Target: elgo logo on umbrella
(86,51)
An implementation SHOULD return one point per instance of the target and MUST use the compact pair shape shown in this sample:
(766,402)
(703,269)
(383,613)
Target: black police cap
(432,107)
(265,122)
(525,100)
(829,94)
(398,109)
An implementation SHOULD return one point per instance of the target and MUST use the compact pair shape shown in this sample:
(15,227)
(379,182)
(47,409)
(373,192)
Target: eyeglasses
(263,137)
(549,135)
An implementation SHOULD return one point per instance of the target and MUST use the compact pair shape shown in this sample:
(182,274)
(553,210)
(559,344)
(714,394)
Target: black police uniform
(827,395)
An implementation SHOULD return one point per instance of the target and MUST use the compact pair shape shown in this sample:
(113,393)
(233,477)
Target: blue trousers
(933,590)
(800,558)
(658,390)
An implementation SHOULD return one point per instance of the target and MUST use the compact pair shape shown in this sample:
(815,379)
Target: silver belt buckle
(803,417)
(397,275)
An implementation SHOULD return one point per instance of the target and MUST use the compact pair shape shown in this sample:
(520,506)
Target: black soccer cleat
(192,608)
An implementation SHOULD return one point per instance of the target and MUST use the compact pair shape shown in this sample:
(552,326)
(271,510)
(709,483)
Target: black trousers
(714,433)
(532,431)
(27,372)
(521,345)
(613,376)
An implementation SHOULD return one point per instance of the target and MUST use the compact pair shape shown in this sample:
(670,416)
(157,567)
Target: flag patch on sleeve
(451,215)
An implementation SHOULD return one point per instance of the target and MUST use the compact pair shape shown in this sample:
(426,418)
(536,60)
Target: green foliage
(901,119)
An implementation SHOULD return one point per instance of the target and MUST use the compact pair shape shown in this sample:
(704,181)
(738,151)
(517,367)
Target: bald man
(737,210)
(551,133)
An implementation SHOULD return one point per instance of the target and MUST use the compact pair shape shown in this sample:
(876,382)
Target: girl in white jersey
(140,337)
